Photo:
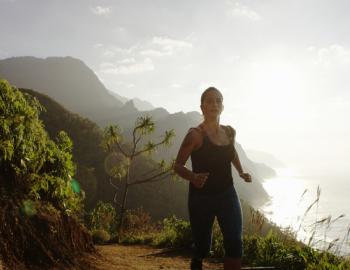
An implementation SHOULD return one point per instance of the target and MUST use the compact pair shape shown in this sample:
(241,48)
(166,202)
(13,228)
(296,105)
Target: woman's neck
(212,125)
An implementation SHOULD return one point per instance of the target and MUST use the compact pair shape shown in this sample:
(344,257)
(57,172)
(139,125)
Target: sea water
(316,208)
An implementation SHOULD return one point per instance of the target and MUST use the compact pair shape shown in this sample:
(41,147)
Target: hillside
(84,94)
(67,80)
(89,157)
(39,206)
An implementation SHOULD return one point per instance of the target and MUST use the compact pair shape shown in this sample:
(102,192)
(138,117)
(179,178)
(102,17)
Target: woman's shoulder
(230,131)
(196,134)
(196,131)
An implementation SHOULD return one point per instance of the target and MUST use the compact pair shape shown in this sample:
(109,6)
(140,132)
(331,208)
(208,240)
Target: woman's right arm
(191,141)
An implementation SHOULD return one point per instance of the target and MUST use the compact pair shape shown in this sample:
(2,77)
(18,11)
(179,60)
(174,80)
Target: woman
(211,193)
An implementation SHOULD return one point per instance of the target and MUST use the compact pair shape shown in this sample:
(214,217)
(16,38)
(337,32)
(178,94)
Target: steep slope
(89,157)
(66,79)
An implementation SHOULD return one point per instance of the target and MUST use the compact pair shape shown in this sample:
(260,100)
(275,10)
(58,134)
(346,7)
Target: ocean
(316,208)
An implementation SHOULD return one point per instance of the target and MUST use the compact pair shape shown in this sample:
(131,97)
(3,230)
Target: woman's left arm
(235,159)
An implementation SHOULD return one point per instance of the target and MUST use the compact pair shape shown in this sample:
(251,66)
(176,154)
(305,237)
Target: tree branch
(121,150)
(153,178)
(145,150)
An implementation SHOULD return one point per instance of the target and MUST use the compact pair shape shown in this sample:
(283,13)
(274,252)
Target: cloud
(117,51)
(127,61)
(98,45)
(170,46)
(238,10)
(334,55)
(156,47)
(155,53)
(176,85)
(109,53)
(101,11)
(127,67)
(164,46)
(139,58)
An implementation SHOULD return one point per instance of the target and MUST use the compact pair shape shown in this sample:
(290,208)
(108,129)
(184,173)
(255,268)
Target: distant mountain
(119,97)
(266,158)
(76,87)
(89,158)
(141,105)
(66,79)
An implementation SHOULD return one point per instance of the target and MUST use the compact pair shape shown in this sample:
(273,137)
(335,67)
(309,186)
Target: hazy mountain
(141,105)
(66,79)
(119,97)
(266,158)
(90,160)
(77,88)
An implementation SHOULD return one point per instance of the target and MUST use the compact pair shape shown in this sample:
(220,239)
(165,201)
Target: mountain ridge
(122,114)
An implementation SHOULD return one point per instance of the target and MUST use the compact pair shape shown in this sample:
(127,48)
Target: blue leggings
(226,208)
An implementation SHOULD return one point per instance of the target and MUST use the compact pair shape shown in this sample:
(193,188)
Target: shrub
(175,233)
(30,163)
(103,217)
(100,236)
(39,199)
(137,220)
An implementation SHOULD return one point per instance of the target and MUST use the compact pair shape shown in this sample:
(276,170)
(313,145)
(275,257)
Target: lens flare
(75,185)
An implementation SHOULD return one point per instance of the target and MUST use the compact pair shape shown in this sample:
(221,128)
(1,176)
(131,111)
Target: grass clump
(175,233)
(138,228)
(100,236)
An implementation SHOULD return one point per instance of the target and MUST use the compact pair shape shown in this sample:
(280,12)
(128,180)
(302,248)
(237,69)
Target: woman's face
(212,104)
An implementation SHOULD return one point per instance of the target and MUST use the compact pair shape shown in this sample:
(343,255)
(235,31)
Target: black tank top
(215,160)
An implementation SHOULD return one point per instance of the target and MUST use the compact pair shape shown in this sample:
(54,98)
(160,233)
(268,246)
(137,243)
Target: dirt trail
(120,257)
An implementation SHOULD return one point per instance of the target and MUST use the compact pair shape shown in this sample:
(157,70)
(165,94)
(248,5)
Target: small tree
(122,157)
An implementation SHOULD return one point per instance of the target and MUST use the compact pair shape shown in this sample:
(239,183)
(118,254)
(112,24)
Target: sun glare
(275,84)
(286,193)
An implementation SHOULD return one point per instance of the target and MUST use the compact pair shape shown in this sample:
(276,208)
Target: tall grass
(317,232)
(265,243)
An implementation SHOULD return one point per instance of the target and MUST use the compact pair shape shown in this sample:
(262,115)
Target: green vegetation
(275,248)
(39,200)
(86,137)
(175,233)
(31,163)
(91,162)
(121,158)
(100,236)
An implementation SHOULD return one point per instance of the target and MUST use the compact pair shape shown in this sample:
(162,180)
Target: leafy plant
(100,236)
(32,165)
(122,157)
(175,233)
(103,217)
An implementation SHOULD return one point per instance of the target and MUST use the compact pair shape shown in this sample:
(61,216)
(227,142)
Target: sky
(282,66)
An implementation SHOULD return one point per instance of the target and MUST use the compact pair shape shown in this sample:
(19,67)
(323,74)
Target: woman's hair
(210,89)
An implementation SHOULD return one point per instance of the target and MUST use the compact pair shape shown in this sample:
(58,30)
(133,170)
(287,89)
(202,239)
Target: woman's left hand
(246,176)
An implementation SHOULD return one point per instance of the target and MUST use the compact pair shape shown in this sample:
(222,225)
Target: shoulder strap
(199,129)
(231,132)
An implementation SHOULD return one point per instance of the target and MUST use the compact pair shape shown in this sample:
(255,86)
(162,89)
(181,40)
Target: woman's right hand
(199,179)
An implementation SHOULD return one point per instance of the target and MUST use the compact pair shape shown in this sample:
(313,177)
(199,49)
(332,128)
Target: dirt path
(119,257)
